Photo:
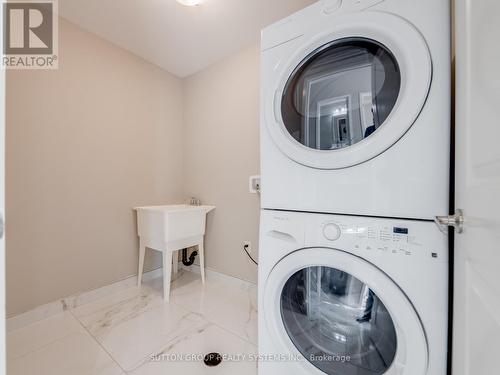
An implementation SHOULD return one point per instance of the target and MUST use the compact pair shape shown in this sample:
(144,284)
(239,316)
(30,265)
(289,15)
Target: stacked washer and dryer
(355,145)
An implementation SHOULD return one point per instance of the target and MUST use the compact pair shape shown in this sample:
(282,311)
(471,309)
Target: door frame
(323,103)
(2,208)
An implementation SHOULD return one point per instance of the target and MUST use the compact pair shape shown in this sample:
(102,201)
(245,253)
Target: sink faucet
(195,202)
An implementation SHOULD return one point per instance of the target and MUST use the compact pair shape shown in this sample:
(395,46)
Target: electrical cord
(246,251)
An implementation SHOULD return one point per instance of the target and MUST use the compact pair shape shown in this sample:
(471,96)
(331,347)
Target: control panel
(373,236)
(332,6)
(385,238)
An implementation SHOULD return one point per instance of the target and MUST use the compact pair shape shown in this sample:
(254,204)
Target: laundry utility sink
(168,229)
(172,222)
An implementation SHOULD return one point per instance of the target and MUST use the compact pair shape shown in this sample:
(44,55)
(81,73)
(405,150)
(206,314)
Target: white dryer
(355,109)
(351,295)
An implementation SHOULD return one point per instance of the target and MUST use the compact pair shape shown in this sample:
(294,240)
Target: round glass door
(340,94)
(337,322)
(339,314)
(343,97)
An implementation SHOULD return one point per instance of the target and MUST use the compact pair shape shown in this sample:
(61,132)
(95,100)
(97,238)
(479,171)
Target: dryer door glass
(341,94)
(338,323)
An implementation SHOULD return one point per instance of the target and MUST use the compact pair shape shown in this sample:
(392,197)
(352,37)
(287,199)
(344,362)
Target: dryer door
(337,314)
(350,93)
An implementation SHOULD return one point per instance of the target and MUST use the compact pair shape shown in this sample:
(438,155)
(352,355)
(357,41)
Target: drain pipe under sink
(185,260)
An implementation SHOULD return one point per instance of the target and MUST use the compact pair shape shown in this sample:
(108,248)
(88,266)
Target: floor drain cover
(213,359)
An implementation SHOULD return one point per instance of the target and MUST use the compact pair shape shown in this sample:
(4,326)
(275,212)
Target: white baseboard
(215,275)
(58,307)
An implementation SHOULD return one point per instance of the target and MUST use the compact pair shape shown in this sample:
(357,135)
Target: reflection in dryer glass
(341,93)
(338,323)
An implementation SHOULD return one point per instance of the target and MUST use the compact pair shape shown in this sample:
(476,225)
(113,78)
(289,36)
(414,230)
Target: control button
(331,231)
(331,6)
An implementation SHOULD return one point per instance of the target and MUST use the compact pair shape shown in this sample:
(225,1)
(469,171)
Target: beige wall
(85,144)
(109,131)
(221,145)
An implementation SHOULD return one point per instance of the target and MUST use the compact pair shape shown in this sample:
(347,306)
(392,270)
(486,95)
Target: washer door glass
(341,94)
(337,322)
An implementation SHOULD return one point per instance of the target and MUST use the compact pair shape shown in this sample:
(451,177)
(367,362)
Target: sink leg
(142,254)
(202,261)
(167,268)
(175,262)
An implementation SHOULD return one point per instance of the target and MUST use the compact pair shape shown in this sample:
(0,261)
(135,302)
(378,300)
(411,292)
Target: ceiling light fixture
(190,3)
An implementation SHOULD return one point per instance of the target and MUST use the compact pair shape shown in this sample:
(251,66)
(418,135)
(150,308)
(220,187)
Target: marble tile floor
(134,332)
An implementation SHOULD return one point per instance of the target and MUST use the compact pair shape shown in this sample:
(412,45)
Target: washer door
(340,315)
(350,93)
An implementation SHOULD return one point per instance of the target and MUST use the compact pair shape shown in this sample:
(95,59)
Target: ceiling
(180,39)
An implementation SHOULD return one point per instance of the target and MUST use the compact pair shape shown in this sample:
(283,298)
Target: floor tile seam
(98,343)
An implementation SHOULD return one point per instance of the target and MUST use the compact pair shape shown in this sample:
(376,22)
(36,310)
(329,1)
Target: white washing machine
(355,109)
(346,295)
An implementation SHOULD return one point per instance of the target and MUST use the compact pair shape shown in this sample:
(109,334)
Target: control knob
(331,6)
(331,231)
